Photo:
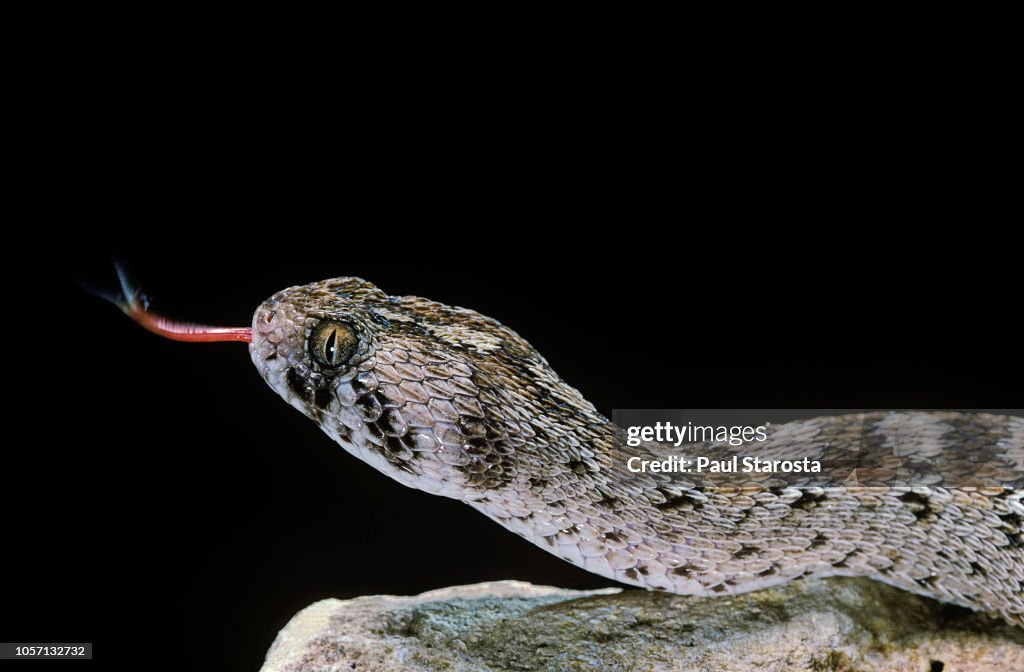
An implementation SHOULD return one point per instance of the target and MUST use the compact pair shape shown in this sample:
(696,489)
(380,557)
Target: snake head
(417,389)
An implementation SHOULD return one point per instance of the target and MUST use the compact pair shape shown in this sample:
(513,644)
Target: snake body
(451,402)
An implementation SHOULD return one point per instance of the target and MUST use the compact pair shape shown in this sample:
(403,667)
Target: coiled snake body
(451,402)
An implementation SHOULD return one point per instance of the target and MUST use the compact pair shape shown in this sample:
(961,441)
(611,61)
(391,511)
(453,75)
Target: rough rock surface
(837,624)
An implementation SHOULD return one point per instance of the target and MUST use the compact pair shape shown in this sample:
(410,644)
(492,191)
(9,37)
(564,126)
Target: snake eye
(332,343)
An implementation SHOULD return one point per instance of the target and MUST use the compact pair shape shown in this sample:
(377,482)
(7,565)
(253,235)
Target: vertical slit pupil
(331,346)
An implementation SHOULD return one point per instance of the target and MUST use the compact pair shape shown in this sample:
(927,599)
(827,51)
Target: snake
(454,403)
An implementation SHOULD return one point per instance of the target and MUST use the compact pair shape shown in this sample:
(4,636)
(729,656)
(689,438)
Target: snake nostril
(268,316)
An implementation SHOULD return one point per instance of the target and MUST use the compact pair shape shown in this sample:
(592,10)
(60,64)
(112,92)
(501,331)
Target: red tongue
(135,304)
(185,331)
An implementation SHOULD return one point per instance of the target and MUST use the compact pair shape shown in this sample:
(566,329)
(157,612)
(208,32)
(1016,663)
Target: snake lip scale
(453,403)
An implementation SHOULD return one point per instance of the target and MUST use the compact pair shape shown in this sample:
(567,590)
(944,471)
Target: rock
(831,625)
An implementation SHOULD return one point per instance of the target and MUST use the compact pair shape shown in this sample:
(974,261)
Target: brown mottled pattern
(451,402)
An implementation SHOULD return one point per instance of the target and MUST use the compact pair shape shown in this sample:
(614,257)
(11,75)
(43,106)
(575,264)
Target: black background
(561,173)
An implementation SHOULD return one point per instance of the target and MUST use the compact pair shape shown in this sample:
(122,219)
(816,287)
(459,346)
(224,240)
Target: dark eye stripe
(332,351)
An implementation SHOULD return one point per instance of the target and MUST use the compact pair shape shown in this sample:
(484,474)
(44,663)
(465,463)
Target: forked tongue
(135,305)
